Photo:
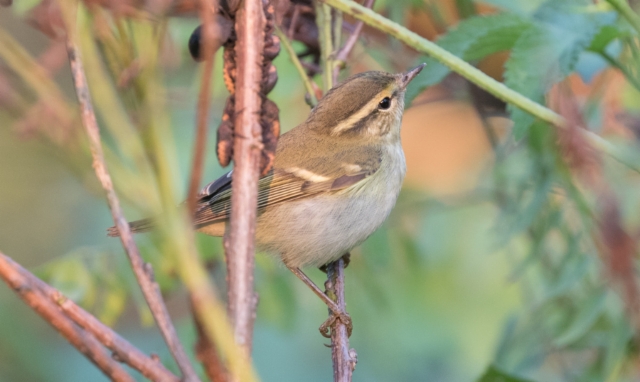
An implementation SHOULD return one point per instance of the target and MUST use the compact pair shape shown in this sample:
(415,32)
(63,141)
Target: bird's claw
(346,258)
(329,322)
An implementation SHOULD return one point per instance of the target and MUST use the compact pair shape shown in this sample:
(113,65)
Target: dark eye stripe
(362,123)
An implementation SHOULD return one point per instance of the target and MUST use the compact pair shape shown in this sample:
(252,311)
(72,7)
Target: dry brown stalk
(344,359)
(207,49)
(343,53)
(207,353)
(142,270)
(49,311)
(240,243)
(121,349)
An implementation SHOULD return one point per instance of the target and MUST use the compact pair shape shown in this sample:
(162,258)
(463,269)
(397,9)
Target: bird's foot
(346,258)
(342,317)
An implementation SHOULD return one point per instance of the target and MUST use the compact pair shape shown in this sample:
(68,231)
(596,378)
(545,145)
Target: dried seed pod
(229,68)
(271,47)
(224,147)
(271,77)
(269,118)
(194,43)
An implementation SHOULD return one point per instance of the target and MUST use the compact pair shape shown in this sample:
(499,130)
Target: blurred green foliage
(504,283)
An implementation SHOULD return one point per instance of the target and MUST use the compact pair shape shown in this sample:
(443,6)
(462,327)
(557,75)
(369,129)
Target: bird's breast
(319,229)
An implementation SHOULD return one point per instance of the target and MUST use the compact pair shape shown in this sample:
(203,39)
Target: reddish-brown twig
(121,349)
(142,271)
(343,53)
(207,353)
(207,12)
(344,359)
(49,311)
(240,245)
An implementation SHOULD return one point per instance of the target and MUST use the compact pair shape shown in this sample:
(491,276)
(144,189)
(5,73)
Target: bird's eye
(385,103)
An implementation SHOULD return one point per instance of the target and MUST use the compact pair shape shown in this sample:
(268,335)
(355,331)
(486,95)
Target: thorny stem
(142,271)
(474,75)
(286,43)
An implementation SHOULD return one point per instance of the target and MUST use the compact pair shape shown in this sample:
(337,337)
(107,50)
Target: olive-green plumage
(335,179)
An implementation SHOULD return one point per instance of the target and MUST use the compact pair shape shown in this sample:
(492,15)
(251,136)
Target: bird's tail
(137,226)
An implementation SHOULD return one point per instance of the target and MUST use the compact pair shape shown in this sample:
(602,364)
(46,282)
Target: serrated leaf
(493,374)
(471,39)
(548,52)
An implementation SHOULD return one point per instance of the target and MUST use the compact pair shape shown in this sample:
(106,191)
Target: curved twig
(122,350)
(142,270)
(343,53)
(48,310)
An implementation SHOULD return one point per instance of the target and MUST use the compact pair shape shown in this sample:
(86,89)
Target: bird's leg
(337,312)
(346,258)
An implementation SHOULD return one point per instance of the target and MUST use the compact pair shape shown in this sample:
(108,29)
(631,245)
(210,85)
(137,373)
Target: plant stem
(142,270)
(625,10)
(474,75)
(82,340)
(247,148)
(344,359)
(343,53)
(616,64)
(455,63)
(286,43)
(323,19)
(121,349)
(200,143)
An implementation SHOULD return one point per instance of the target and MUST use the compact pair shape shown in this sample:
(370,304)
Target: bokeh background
(493,258)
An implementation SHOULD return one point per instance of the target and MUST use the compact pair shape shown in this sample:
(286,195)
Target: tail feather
(137,226)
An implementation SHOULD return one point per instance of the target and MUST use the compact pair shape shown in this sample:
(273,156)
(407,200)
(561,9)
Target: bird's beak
(410,75)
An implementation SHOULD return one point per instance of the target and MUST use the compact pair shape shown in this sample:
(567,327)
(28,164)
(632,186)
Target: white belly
(320,229)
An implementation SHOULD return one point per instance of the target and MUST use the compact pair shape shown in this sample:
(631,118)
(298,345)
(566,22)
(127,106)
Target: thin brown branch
(343,53)
(142,271)
(121,349)
(207,48)
(240,243)
(207,353)
(344,359)
(318,292)
(49,311)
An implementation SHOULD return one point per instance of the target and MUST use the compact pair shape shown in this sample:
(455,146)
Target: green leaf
(605,35)
(493,374)
(471,39)
(584,320)
(113,305)
(548,52)
(72,278)
(466,8)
